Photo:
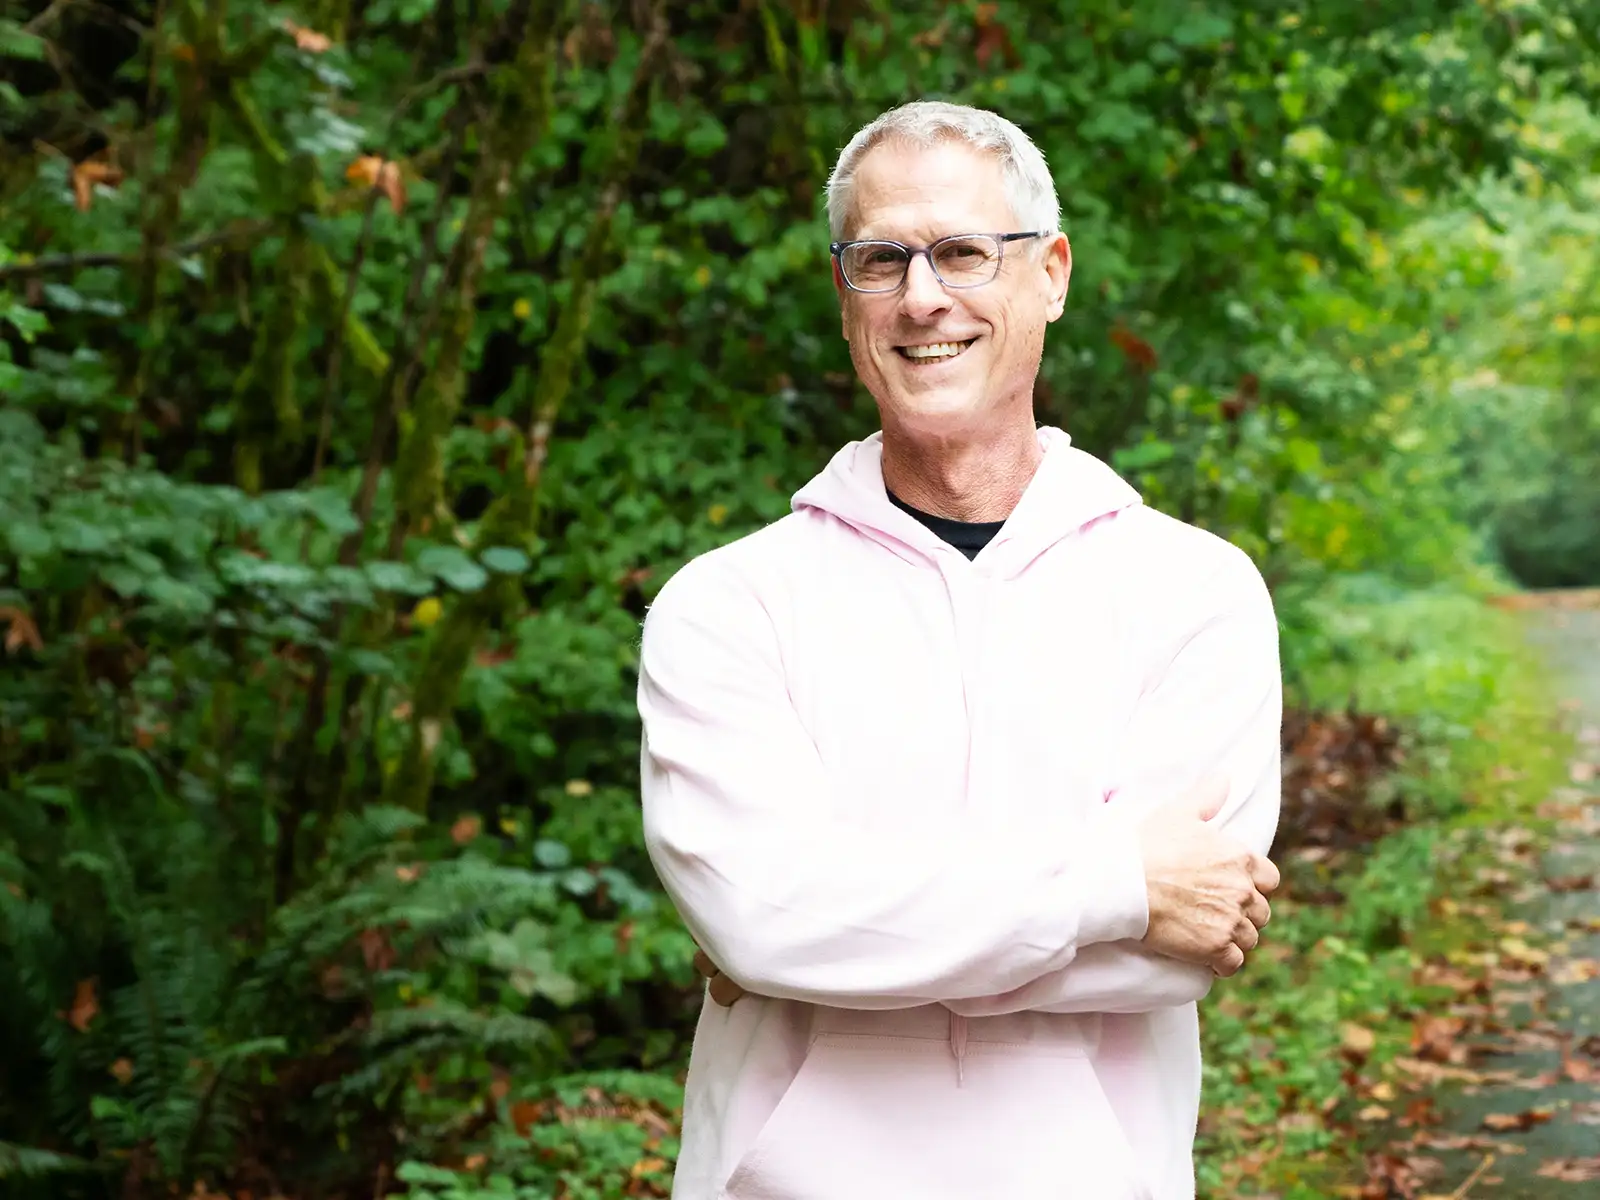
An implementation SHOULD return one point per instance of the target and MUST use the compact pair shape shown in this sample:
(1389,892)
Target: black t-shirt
(966,536)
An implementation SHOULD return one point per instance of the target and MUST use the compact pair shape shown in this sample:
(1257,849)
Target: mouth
(929,353)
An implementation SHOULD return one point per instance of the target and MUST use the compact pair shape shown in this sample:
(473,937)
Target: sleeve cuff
(1116,903)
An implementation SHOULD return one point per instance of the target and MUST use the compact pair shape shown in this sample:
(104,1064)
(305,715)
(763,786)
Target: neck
(962,478)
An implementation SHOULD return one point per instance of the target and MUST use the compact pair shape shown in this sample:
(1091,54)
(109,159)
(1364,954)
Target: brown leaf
(87,174)
(1517,1122)
(1570,883)
(466,829)
(376,950)
(1571,1170)
(647,1166)
(21,630)
(122,1070)
(1135,349)
(993,37)
(308,40)
(381,173)
(525,1114)
(1434,1039)
(85,1006)
(1357,1040)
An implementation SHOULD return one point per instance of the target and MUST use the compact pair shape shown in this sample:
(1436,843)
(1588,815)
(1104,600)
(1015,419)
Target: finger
(725,991)
(1246,936)
(1264,874)
(704,965)
(1259,911)
(1229,961)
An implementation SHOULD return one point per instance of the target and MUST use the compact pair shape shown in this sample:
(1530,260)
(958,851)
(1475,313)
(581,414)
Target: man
(963,773)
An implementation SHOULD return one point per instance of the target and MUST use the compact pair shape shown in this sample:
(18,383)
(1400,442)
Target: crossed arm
(787,905)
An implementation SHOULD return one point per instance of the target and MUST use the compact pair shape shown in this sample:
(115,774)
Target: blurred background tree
(368,366)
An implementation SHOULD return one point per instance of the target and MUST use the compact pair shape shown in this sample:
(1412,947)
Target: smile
(934,351)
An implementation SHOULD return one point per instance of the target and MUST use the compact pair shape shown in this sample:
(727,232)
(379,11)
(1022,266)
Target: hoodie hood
(1069,491)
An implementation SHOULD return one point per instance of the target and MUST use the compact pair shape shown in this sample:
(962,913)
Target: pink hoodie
(894,794)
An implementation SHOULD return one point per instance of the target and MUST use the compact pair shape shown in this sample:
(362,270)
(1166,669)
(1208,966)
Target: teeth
(936,350)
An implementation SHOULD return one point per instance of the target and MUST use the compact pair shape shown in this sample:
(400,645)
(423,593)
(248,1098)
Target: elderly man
(962,774)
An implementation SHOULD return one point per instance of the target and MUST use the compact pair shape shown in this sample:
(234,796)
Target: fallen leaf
(308,40)
(1373,1112)
(122,1070)
(466,829)
(1575,970)
(1517,1122)
(1570,883)
(1571,1170)
(1357,1040)
(525,1114)
(647,1166)
(1435,1039)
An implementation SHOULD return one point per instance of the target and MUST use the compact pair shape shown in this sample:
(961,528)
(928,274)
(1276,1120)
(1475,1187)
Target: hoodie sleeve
(1216,709)
(793,903)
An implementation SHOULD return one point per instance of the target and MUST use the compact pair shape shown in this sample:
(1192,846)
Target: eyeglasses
(962,260)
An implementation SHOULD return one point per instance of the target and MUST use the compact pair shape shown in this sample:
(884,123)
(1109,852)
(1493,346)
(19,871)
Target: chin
(937,413)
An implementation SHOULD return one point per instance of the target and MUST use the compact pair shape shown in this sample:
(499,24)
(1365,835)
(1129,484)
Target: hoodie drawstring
(958,1046)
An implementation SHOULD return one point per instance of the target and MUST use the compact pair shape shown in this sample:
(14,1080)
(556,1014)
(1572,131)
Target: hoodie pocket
(879,1118)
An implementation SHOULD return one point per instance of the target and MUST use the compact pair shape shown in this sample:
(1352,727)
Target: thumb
(1211,795)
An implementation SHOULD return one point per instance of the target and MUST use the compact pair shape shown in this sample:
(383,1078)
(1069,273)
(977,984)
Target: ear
(838,286)
(1057,267)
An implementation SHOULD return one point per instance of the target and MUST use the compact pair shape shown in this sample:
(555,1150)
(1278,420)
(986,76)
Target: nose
(923,296)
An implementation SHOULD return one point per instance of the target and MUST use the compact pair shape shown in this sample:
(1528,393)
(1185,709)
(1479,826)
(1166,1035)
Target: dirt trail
(1521,1119)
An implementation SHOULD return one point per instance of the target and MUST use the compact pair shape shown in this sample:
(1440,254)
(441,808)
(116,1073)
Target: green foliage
(318,749)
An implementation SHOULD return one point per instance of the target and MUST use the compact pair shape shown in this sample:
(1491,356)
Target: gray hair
(924,123)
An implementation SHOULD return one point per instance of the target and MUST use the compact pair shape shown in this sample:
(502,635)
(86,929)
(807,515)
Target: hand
(1208,893)
(723,990)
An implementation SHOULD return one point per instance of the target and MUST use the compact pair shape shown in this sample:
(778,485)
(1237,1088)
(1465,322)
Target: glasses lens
(874,266)
(967,260)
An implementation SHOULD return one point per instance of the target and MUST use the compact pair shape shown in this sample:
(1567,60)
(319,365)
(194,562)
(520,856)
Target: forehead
(919,193)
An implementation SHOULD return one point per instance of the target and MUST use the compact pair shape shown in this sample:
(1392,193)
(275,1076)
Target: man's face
(916,196)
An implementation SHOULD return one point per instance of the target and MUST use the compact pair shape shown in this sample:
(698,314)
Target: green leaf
(507,560)
(1143,456)
(451,564)
(29,541)
(16,42)
(553,855)
(398,577)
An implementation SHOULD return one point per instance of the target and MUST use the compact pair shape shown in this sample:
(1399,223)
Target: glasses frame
(837,249)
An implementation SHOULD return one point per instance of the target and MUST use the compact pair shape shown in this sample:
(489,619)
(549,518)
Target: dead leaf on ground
(466,829)
(1585,1112)
(1435,1039)
(1570,883)
(121,1070)
(1357,1040)
(381,173)
(1517,1122)
(1575,970)
(1571,1170)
